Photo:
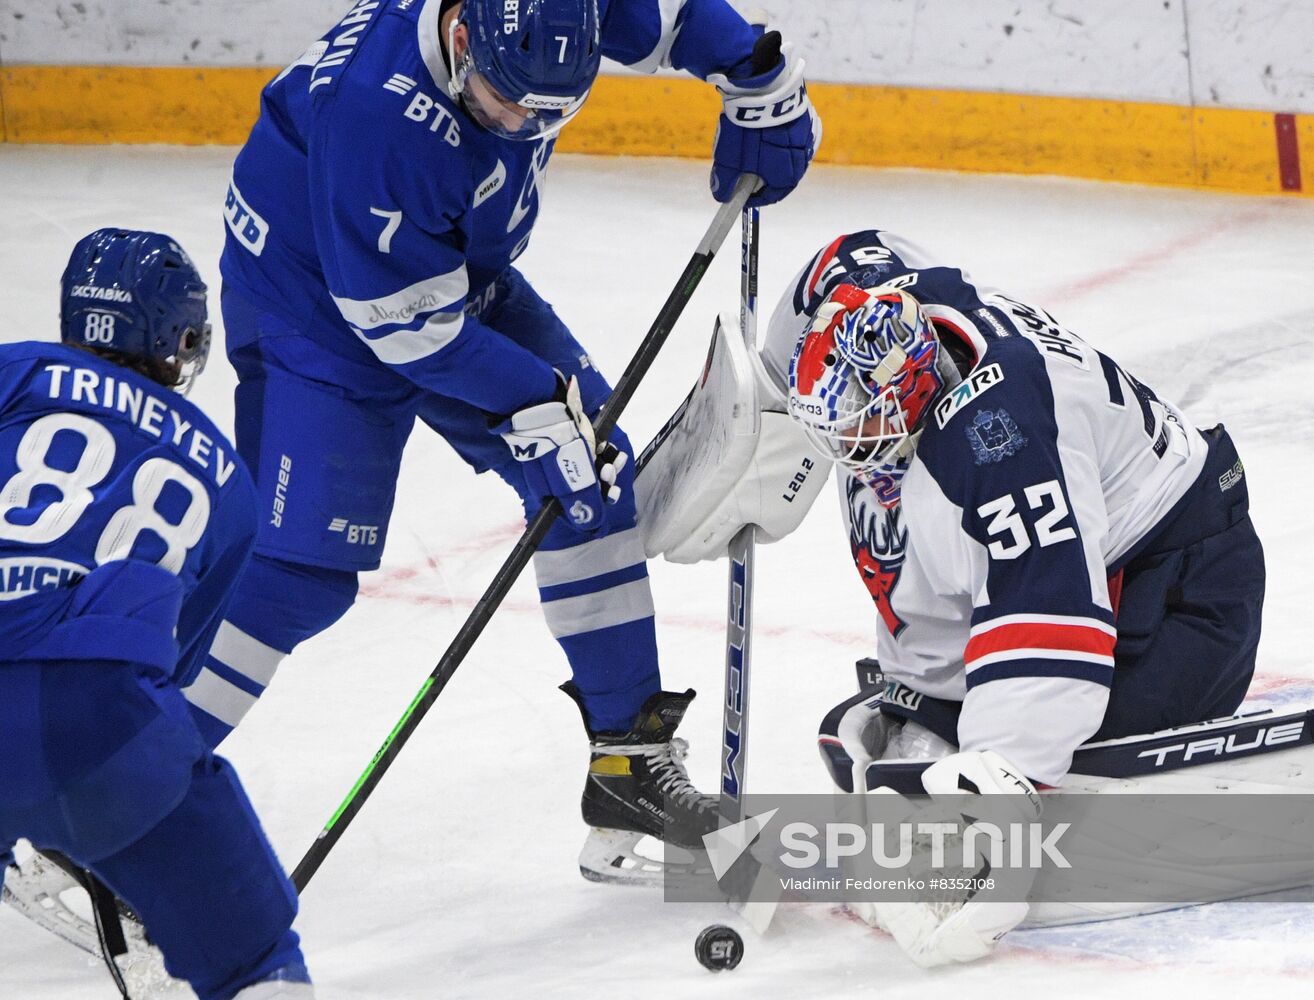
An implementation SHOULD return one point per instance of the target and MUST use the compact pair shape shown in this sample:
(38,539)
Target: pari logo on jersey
(878,541)
(967,391)
(27,575)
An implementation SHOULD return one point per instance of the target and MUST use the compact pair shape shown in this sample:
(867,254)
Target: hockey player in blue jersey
(374,216)
(1056,554)
(125,520)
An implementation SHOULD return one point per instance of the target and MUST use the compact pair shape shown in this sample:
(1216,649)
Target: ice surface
(459,878)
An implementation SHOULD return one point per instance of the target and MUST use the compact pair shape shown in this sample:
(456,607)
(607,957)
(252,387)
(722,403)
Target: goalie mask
(862,379)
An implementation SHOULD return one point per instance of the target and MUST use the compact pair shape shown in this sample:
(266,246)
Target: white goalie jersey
(1047,469)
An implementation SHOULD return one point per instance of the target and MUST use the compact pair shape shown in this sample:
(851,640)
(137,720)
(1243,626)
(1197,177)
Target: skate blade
(613,857)
(37,888)
(51,898)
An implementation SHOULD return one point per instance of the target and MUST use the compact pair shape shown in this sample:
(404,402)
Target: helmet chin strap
(454,88)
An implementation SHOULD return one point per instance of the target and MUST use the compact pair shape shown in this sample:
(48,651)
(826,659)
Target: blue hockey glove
(768,126)
(556,444)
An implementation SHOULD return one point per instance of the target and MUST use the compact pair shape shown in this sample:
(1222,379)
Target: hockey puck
(719,947)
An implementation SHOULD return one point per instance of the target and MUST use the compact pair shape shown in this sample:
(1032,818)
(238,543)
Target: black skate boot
(637,787)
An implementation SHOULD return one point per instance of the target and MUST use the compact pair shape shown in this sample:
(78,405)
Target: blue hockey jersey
(1034,481)
(370,210)
(99,465)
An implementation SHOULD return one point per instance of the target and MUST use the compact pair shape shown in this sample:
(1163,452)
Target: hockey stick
(1210,742)
(754,890)
(529,541)
(739,614)
(751,885)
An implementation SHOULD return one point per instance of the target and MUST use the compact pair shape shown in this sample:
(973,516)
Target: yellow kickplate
(611,764)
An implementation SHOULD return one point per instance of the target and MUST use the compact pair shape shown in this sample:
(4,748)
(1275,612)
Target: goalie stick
(754,891)
(1214,741)
(519,558)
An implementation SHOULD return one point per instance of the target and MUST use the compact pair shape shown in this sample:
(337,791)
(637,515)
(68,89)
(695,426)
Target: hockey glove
(561,458)
(768,126)
(963,929)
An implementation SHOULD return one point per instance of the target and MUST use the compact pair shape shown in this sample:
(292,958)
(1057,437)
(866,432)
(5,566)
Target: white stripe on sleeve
(402,308)
(629,602)
(404,346)
(580,562)
(247,655)
(660,57)
(224,700)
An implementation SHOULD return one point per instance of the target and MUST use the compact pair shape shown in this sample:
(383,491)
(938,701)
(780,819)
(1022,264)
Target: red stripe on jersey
(827,256)
(1115,593)
(1039,635)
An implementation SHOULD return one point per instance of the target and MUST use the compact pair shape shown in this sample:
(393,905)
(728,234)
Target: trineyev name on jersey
(100,464)
(1033,481)
(110,390)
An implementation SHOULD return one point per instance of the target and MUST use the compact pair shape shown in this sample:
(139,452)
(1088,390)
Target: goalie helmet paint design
(529,65)
(138,294)
(862,380)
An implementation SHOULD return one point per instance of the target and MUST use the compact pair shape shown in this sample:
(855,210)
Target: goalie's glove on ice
(946,931)
(561,458)
(767,127)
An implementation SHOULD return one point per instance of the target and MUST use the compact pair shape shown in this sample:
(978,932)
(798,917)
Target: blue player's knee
(117,755)
(278,605)
(209,889)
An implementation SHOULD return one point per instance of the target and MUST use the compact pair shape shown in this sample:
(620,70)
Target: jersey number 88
(74,486)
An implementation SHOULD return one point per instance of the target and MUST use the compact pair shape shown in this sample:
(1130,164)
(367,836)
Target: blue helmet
(529,65)
(137,294)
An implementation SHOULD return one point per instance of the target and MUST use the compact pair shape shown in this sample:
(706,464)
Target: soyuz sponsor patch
(994,436)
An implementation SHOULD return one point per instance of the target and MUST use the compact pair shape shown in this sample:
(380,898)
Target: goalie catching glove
(962,928)
(561,458)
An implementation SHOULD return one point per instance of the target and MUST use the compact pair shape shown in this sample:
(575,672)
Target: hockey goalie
(1060,562)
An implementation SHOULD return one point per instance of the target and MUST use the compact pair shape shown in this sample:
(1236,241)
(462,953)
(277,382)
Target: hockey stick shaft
(739,615)
(529,542)
(753,890)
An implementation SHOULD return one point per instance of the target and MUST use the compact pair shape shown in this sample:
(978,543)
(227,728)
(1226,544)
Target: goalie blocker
(730,456)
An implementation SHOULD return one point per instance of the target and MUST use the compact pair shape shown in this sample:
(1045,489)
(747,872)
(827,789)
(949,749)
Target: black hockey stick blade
(529,541)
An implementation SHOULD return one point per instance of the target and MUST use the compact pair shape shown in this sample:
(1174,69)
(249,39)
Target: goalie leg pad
(729,457)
